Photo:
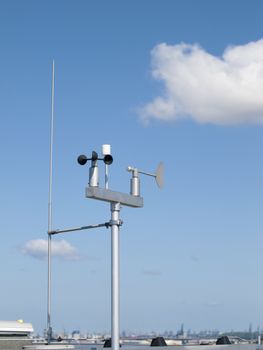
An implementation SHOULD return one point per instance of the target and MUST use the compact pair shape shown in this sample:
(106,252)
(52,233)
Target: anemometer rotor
(107,159)
(94,171)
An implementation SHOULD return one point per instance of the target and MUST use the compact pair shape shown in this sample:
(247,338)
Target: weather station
(116,200)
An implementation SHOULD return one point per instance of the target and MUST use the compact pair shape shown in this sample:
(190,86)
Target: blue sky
(177,81)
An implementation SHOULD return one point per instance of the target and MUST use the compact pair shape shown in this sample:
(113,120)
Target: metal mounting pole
(116,199)
(49,328)
(115,276)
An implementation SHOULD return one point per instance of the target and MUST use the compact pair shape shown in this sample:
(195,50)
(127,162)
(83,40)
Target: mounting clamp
(115,222)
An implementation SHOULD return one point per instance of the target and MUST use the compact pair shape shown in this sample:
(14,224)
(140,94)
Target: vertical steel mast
(115,275)
(49,328)
(116,200)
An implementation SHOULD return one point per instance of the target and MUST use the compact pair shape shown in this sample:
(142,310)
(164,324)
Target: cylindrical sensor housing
(135,183)
(94,176)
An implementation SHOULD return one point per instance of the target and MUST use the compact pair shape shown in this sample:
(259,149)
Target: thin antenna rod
(49,328)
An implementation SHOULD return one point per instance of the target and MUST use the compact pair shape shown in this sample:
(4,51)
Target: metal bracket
(105,224)
(115,222)
(55,232)
(114,197)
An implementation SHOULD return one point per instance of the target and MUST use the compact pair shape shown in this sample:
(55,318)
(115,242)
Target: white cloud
(206,88)
(38,248)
